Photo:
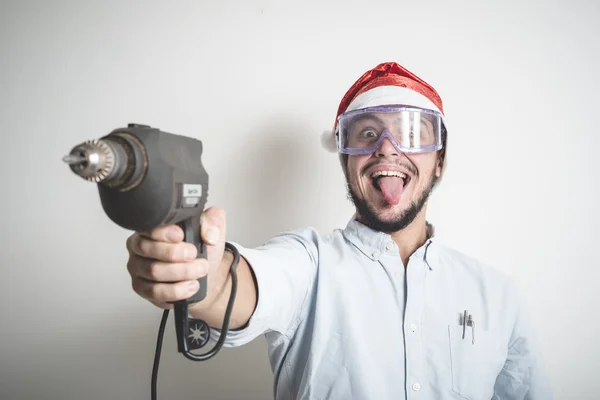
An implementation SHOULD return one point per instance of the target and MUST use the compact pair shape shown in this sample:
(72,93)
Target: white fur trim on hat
(388,95)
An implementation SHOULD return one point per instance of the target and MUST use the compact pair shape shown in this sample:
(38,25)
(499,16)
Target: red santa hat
(387,84)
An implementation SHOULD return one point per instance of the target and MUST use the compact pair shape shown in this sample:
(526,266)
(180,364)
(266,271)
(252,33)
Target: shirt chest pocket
(476,358)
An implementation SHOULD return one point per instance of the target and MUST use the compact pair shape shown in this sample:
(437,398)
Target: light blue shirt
(344,319)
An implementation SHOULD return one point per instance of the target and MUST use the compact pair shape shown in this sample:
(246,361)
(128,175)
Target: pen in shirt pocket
(467,320)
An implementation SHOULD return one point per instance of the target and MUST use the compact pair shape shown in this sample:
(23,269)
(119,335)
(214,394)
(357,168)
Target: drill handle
(191,231)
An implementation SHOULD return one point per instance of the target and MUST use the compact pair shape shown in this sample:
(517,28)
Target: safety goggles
(410,129)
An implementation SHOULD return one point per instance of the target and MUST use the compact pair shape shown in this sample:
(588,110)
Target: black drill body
(167,170)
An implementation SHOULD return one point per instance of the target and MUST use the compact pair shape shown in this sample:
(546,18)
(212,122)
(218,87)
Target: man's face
(390,188)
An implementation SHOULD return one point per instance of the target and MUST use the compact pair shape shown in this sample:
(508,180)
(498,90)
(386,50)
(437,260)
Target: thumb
(212,231)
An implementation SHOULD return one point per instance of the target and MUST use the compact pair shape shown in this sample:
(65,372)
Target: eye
(369,134)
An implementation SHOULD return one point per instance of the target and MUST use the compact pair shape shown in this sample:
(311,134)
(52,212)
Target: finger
(131,242)
(159,271)
(160,293)
(167,233)
(212,225)
(213,232)
(169,252)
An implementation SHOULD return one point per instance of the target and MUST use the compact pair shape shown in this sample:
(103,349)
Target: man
(380,309)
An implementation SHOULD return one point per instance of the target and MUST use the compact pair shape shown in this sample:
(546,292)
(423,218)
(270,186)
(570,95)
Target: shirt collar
(374,243)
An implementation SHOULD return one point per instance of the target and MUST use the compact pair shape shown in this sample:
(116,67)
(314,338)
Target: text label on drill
(192,190)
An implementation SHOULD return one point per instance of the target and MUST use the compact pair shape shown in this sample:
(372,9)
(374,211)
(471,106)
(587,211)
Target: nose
(386,149)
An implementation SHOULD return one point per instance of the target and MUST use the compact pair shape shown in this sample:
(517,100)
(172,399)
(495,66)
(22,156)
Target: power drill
(147,178)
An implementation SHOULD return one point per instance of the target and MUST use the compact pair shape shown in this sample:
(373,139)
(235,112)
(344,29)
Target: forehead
(391,118)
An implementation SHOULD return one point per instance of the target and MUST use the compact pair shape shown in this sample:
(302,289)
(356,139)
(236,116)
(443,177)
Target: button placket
(415,303)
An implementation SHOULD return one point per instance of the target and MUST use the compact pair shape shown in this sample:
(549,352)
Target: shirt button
(376,254)
(389,246)
(398,275)
(413,327)
(416,387)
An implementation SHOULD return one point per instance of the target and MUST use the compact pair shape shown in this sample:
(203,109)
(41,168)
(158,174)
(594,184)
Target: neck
(411,238)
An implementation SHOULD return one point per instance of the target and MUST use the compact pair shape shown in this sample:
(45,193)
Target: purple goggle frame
(432,115)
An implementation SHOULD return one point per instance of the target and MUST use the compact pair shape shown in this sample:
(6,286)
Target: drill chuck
(117,161)
(93,160)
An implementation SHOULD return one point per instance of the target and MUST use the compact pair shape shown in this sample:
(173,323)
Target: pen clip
(464,323)
(471,323)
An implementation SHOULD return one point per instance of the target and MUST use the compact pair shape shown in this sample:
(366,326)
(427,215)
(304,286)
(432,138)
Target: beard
(372,220)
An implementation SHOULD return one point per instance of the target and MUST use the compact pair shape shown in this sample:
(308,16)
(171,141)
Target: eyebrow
(379,120)
(366,117)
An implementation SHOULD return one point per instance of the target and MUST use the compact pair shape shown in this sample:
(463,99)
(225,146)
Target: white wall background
(257,81)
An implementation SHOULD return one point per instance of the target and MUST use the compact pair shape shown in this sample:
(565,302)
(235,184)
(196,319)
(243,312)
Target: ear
(440,162)
(344,164)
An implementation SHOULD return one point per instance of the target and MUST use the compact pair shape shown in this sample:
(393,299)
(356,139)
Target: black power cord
(181,311)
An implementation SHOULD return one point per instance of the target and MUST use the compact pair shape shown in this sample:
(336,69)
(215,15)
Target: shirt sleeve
(284,269)
(523,376)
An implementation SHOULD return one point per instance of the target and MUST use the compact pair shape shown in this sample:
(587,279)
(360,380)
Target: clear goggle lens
(410,129)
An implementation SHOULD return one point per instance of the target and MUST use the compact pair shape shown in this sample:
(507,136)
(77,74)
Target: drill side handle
(191,231)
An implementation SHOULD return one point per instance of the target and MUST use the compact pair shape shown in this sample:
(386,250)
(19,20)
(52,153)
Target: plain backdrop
(257,82)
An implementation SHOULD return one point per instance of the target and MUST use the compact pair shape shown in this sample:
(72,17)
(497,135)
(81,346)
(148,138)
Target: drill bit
(73,159)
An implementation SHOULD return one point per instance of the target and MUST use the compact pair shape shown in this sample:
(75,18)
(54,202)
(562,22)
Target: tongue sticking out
(391,187)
